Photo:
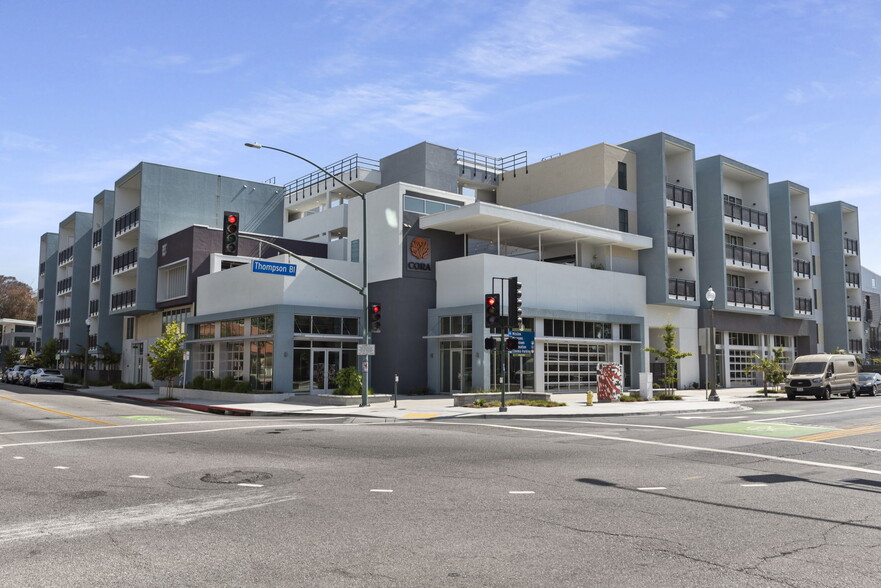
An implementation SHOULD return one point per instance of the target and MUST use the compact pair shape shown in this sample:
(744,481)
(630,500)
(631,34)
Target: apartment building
(610,243)
(48,271)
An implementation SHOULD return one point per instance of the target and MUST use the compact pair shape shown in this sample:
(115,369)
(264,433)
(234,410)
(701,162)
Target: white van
(823,375)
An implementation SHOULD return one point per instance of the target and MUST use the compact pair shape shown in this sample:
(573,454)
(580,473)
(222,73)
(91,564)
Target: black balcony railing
(63,345)
(852,279)
(39,320)
(62,316)
(64,286)
(677,288)
(854,312)
(856,345)
(97,236)
(127,222)
(346,169)
(679,196)
(801,267)
(65,256)
(851,246)
(123,299)
(801,231)
(745,215)
(747,257)
(749,297)
(40,295)
(126,260)
(96,272)
(93,307)
(93,342)
(680,241)
(42,268)
(804,305)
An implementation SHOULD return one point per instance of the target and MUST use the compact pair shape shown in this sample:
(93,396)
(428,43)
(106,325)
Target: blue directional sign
(272,267)
(525,342)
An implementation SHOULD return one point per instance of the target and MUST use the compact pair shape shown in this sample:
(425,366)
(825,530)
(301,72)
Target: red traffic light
(491,300)
(375,308)
(232,218)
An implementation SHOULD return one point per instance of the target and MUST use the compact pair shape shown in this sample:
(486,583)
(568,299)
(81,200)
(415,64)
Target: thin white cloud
(547,37)
(222,64)
(153,59)
(12,141)
(810,92)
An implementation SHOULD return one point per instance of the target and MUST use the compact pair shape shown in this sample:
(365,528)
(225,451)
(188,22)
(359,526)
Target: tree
(771,368)
(671,356)
(11,356)
(17,300)
(110,357)
(48,352)
(166,355)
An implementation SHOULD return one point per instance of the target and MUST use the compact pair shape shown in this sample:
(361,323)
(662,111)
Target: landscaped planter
(471,398)
(340,400)
(222,397)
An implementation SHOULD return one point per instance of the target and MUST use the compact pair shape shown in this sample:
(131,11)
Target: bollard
(589,398)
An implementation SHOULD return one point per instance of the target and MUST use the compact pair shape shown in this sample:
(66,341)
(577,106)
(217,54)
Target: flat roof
(520,228)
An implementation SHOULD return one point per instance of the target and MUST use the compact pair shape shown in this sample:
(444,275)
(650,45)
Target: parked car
(822,375)
(868,383)
(14,374)
(47,377)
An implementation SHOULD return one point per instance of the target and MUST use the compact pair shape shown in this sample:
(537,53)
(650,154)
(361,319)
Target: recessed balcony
(679,243)
(744,216)
(679,197)
(746,258)
(679,289)
(749,298)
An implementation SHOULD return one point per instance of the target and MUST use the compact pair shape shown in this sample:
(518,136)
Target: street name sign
(272,267)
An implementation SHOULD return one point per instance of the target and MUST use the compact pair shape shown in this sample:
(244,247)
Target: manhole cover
(236,477)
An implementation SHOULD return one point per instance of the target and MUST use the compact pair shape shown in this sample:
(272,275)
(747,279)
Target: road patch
(764,429)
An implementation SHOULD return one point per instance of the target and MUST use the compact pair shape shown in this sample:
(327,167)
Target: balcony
(747,258)
(62,316)
(680,242)
(93,342)
(123,299)
(801,268)
(855,345)
(93,307)
(852,279)
(749,297)
(97,237)
(40,295)
(350,170)
(681,289)
(127,222)
(804,305)
(801,231)
(66,256)
(744,216)
(63,345)
(125,261)
(851,246)
(680,197)
(64,286)
(42,268)
(854,312)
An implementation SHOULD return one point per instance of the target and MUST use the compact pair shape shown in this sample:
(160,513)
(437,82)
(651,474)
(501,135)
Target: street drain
(236,477)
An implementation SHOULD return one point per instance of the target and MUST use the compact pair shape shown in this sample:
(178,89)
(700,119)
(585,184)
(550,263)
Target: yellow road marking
(420,416)
(73,416)
(842,433)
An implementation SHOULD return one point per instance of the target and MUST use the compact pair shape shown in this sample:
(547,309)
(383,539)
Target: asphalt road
(97,492)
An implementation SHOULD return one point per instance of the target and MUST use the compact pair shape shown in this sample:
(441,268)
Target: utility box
(646,386)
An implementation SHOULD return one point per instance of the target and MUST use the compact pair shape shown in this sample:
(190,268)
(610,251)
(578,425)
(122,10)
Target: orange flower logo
(419,248)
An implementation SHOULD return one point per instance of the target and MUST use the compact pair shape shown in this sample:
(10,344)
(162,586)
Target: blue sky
(91,88)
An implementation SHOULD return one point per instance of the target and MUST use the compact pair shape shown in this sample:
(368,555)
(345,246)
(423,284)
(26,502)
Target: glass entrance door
(325,363)
(452,371)
(137,375)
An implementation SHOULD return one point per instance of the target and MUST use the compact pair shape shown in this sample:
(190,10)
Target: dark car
(868,384)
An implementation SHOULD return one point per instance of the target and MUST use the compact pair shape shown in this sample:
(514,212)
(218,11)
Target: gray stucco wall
(424,164)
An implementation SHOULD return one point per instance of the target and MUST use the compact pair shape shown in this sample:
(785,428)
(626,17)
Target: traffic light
(230,233)
(515,304)
(375,318)
(511,344)
(489,343)
(492,310)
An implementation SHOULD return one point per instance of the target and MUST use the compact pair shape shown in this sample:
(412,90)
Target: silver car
(50,378)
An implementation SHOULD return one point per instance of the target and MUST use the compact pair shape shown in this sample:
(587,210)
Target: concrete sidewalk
(437,407)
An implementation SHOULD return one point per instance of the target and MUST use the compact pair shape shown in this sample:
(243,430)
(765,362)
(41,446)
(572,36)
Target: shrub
(667,396)
(348,382)
(242,387)
(198,383)
(228,384)
(128,386)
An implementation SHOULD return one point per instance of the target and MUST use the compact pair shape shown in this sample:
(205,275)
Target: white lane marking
(61,468)
(169,424)
(381,490)
(160,513)
(675,446)
(18,457)
(520,492)
(653,488)
(756,485)
(139,477)
(701,431)
(117,437)
(803,415)
(247,485)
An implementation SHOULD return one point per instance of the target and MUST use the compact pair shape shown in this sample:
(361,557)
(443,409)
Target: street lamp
(365,330)
(86,352)
(714,397)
